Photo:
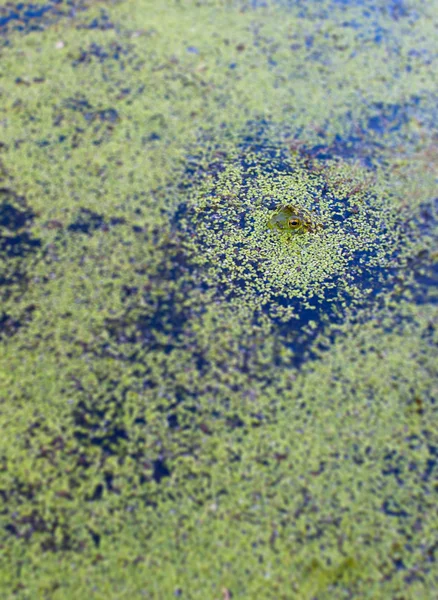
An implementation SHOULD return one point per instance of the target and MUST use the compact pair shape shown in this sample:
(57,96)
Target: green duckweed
(192,404)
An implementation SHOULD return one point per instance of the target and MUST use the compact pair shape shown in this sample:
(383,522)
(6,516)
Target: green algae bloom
(291,219)
(188,408)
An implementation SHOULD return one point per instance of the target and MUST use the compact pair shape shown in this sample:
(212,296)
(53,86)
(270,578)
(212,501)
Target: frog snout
(279,221)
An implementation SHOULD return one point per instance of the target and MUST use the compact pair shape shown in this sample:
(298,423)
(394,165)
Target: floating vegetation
(356,251)
(218,358)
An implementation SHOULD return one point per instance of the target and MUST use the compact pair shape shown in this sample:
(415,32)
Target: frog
(292,219)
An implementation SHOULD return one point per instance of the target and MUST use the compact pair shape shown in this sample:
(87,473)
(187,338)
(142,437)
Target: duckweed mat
(194,404)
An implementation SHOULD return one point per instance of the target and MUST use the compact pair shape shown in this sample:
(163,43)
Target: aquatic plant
(192,402)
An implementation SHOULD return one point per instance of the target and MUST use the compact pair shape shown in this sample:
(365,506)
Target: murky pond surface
(218,286)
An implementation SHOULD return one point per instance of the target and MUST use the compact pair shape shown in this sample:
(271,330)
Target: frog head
(291,219)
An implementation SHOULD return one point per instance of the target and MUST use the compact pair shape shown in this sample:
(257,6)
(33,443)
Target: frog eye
(294,222)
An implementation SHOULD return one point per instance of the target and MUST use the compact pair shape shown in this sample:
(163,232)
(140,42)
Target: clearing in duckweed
(218,286)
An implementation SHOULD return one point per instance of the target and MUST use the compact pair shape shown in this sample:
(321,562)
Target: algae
(190,406)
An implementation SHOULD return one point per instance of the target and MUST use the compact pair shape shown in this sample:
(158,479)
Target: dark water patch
(146,329)
(110,115)
(160,470)
(172,421)
(77,104)
(18,248)
(424,263)
(102,23)
(98,418)
(90,114)
(77,119)
(391,508)
(330,309)
(366,140)
(27,82)
(155,315)
(389,117)
(425,287)
(373,10)
(55,536)
(254,153)
(95,537)
(109,58)
(431,471)
(374,27)
(101,54)
(26,18)
(395,465)
(88,221)
(102,423)
(10,325)
(15,219)
(16,239)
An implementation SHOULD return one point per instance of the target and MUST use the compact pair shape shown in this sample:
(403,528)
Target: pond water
(195,404)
